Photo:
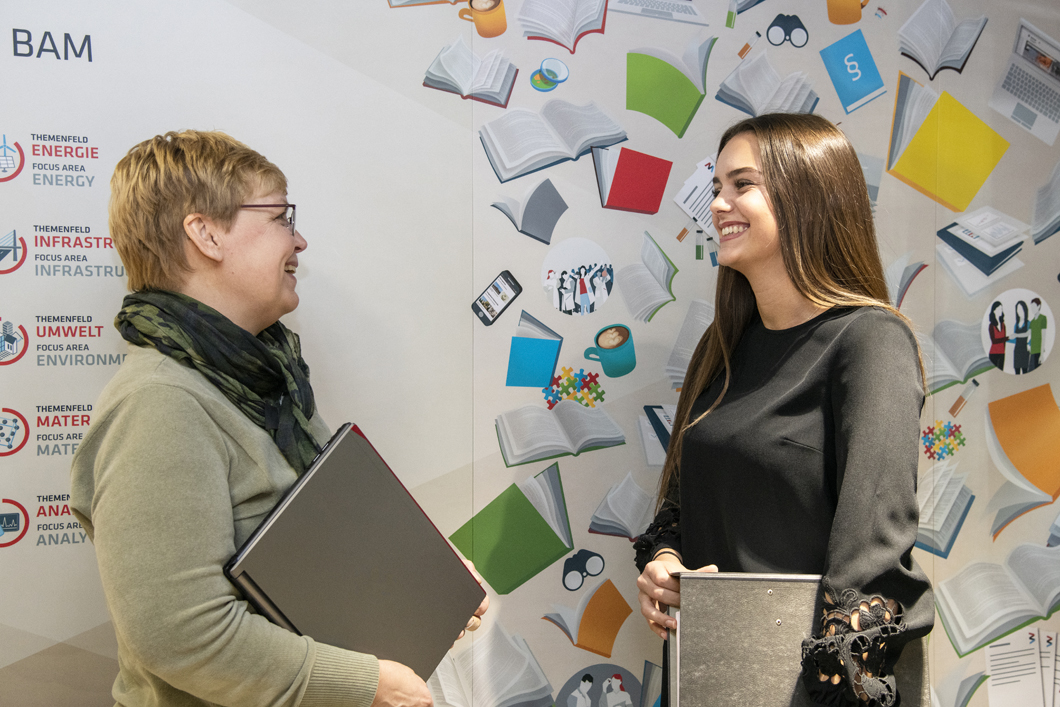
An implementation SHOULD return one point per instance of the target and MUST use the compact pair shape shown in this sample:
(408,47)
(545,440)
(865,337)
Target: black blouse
(808,465)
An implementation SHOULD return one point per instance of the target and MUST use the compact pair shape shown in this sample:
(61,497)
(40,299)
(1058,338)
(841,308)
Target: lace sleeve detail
(665,531)
(848,662)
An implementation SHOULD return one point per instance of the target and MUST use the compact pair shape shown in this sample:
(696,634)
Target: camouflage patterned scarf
(264,375)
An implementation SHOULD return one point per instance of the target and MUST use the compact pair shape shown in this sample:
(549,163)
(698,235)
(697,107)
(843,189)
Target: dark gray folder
(349,559)
(739,642)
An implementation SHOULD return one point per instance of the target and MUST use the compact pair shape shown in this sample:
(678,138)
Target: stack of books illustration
(929,145)
(519,533)
(522,141)
(625,511)
(952,354)
(533,354)
(933,38)
(629,180)
(457,70)
(755,87)
(699,316)
(499,671)
(537,214)
(985,600)
(986,238)
(532,433)
(668,88)
(647,286)
(563,22)
(594,624)
(944,499)
(1023,439)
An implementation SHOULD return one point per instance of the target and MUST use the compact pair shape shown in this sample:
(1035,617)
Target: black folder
(349,558)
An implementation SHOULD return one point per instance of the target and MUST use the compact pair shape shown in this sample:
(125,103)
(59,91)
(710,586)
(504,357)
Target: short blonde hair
(162,180)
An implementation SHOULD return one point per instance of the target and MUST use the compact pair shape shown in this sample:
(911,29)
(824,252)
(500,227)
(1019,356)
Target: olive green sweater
(170,480)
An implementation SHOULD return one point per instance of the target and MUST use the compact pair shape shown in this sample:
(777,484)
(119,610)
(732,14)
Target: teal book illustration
(537,214)
(519,533)
(533,354)
(944,499)
(853,71)
(532,433)
(647,286)
(668,88)
(985,600)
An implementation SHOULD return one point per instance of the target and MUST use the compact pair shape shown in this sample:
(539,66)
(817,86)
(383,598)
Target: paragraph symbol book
(853,71)
(665,87)
(519,533)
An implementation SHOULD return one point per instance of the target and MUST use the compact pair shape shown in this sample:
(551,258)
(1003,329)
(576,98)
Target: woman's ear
(204,234)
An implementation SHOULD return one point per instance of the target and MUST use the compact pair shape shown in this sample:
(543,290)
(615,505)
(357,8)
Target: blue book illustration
(533,355)
(853,71)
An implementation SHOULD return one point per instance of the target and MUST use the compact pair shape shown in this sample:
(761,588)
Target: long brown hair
(827,238)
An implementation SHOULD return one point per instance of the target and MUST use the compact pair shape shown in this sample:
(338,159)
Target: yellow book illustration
(1023,439)
(594,625)
(939,147)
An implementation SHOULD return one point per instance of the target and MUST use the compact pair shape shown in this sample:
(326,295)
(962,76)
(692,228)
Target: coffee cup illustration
(488,16)
(845,12)
(614,350)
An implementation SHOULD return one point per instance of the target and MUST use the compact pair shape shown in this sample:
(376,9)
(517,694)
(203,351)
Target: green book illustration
(647,286)
(519,533)
(668,88)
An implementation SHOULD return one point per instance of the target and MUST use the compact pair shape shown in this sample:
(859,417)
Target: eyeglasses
(288,212)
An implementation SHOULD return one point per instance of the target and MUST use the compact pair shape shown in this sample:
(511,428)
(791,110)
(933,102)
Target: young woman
(799,421)
(208,421)
(998,335)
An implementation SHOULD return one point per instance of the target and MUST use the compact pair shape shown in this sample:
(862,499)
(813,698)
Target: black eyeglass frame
(290,219)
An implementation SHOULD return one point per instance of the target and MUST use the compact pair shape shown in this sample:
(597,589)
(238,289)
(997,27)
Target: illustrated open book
(955,690)
(629,180)
(1023,439)
(986,601)
(952,354)
(985,237)
(498,671)
(944,499)
(755,87)
(625,511)
(933,38)
(537,214)
(668,88)
(699,316)
(533,433)
(647,286)
(562,22)
(522,141)
(594,624)
(519,533)
(939,147)
(458,70)
(533,354)
(899,275)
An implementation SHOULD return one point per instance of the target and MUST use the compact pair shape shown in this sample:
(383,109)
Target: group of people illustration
(1026,337)
(580,290)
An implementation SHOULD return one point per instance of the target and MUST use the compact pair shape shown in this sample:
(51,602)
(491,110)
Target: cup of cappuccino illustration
(488,16)
(614,350)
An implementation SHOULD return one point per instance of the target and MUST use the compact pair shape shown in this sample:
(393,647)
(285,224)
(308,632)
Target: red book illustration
(630,180)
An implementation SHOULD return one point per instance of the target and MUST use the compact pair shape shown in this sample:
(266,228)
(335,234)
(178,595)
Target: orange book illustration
(594,624)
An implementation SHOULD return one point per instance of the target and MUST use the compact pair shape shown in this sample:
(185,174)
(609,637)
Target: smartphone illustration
(496,298)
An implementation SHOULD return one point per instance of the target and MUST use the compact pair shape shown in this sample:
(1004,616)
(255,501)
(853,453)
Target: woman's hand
(657,589)
(476,620)
(400,687)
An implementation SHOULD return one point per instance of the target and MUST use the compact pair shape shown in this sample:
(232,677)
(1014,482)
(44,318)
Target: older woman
(208,421)
(797,430)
